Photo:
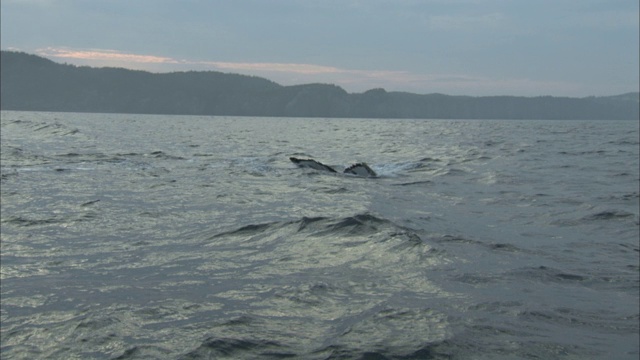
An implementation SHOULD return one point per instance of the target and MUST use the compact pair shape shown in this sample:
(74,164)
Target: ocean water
(174,237)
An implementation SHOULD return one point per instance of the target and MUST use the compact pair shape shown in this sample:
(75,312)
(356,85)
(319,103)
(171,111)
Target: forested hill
(29,82)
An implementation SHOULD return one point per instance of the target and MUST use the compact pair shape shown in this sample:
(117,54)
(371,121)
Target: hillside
(32,83)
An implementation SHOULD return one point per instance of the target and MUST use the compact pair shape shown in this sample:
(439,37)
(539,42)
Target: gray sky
(459,47)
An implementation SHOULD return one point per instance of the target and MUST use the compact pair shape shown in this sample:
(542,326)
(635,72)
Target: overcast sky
(459,47)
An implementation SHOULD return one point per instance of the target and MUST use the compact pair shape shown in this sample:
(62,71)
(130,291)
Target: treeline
(32,83)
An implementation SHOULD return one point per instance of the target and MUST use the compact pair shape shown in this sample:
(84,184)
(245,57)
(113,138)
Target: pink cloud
(278,67)
(103,55)
(120,57)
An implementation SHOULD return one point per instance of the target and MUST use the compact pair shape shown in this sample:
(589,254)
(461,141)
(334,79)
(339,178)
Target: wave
(51,128)
(592,280)
(361,229)
(154,163)
(382,334)
(599,217)
(339,286)
(548,274)
(608,215)
(364,224)
(216,348)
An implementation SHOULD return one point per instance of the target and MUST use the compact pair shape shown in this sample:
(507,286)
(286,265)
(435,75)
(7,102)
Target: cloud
(128,58)
(103,55)
(124,59)
(277,67)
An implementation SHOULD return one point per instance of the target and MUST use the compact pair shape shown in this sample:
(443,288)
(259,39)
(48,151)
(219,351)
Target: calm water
(170,237)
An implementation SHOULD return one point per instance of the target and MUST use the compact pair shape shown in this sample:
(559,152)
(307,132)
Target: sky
(570,48)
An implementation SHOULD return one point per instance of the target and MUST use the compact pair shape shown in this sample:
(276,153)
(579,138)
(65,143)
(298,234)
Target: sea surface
(185,237)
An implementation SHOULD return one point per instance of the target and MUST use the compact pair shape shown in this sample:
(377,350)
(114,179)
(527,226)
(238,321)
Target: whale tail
(359,169)
(313,164)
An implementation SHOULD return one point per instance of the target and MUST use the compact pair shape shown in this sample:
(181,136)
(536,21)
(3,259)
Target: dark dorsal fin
(360,169)
(313,164)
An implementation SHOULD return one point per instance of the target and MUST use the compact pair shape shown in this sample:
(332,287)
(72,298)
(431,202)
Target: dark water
(168,237)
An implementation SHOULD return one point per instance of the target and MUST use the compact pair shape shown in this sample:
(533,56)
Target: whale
(358,169)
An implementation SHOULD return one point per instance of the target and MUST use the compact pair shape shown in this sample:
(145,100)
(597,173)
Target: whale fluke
(359,169)
(313,164)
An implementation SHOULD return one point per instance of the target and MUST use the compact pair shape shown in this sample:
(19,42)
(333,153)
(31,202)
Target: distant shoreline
(299,117)
(32,83)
